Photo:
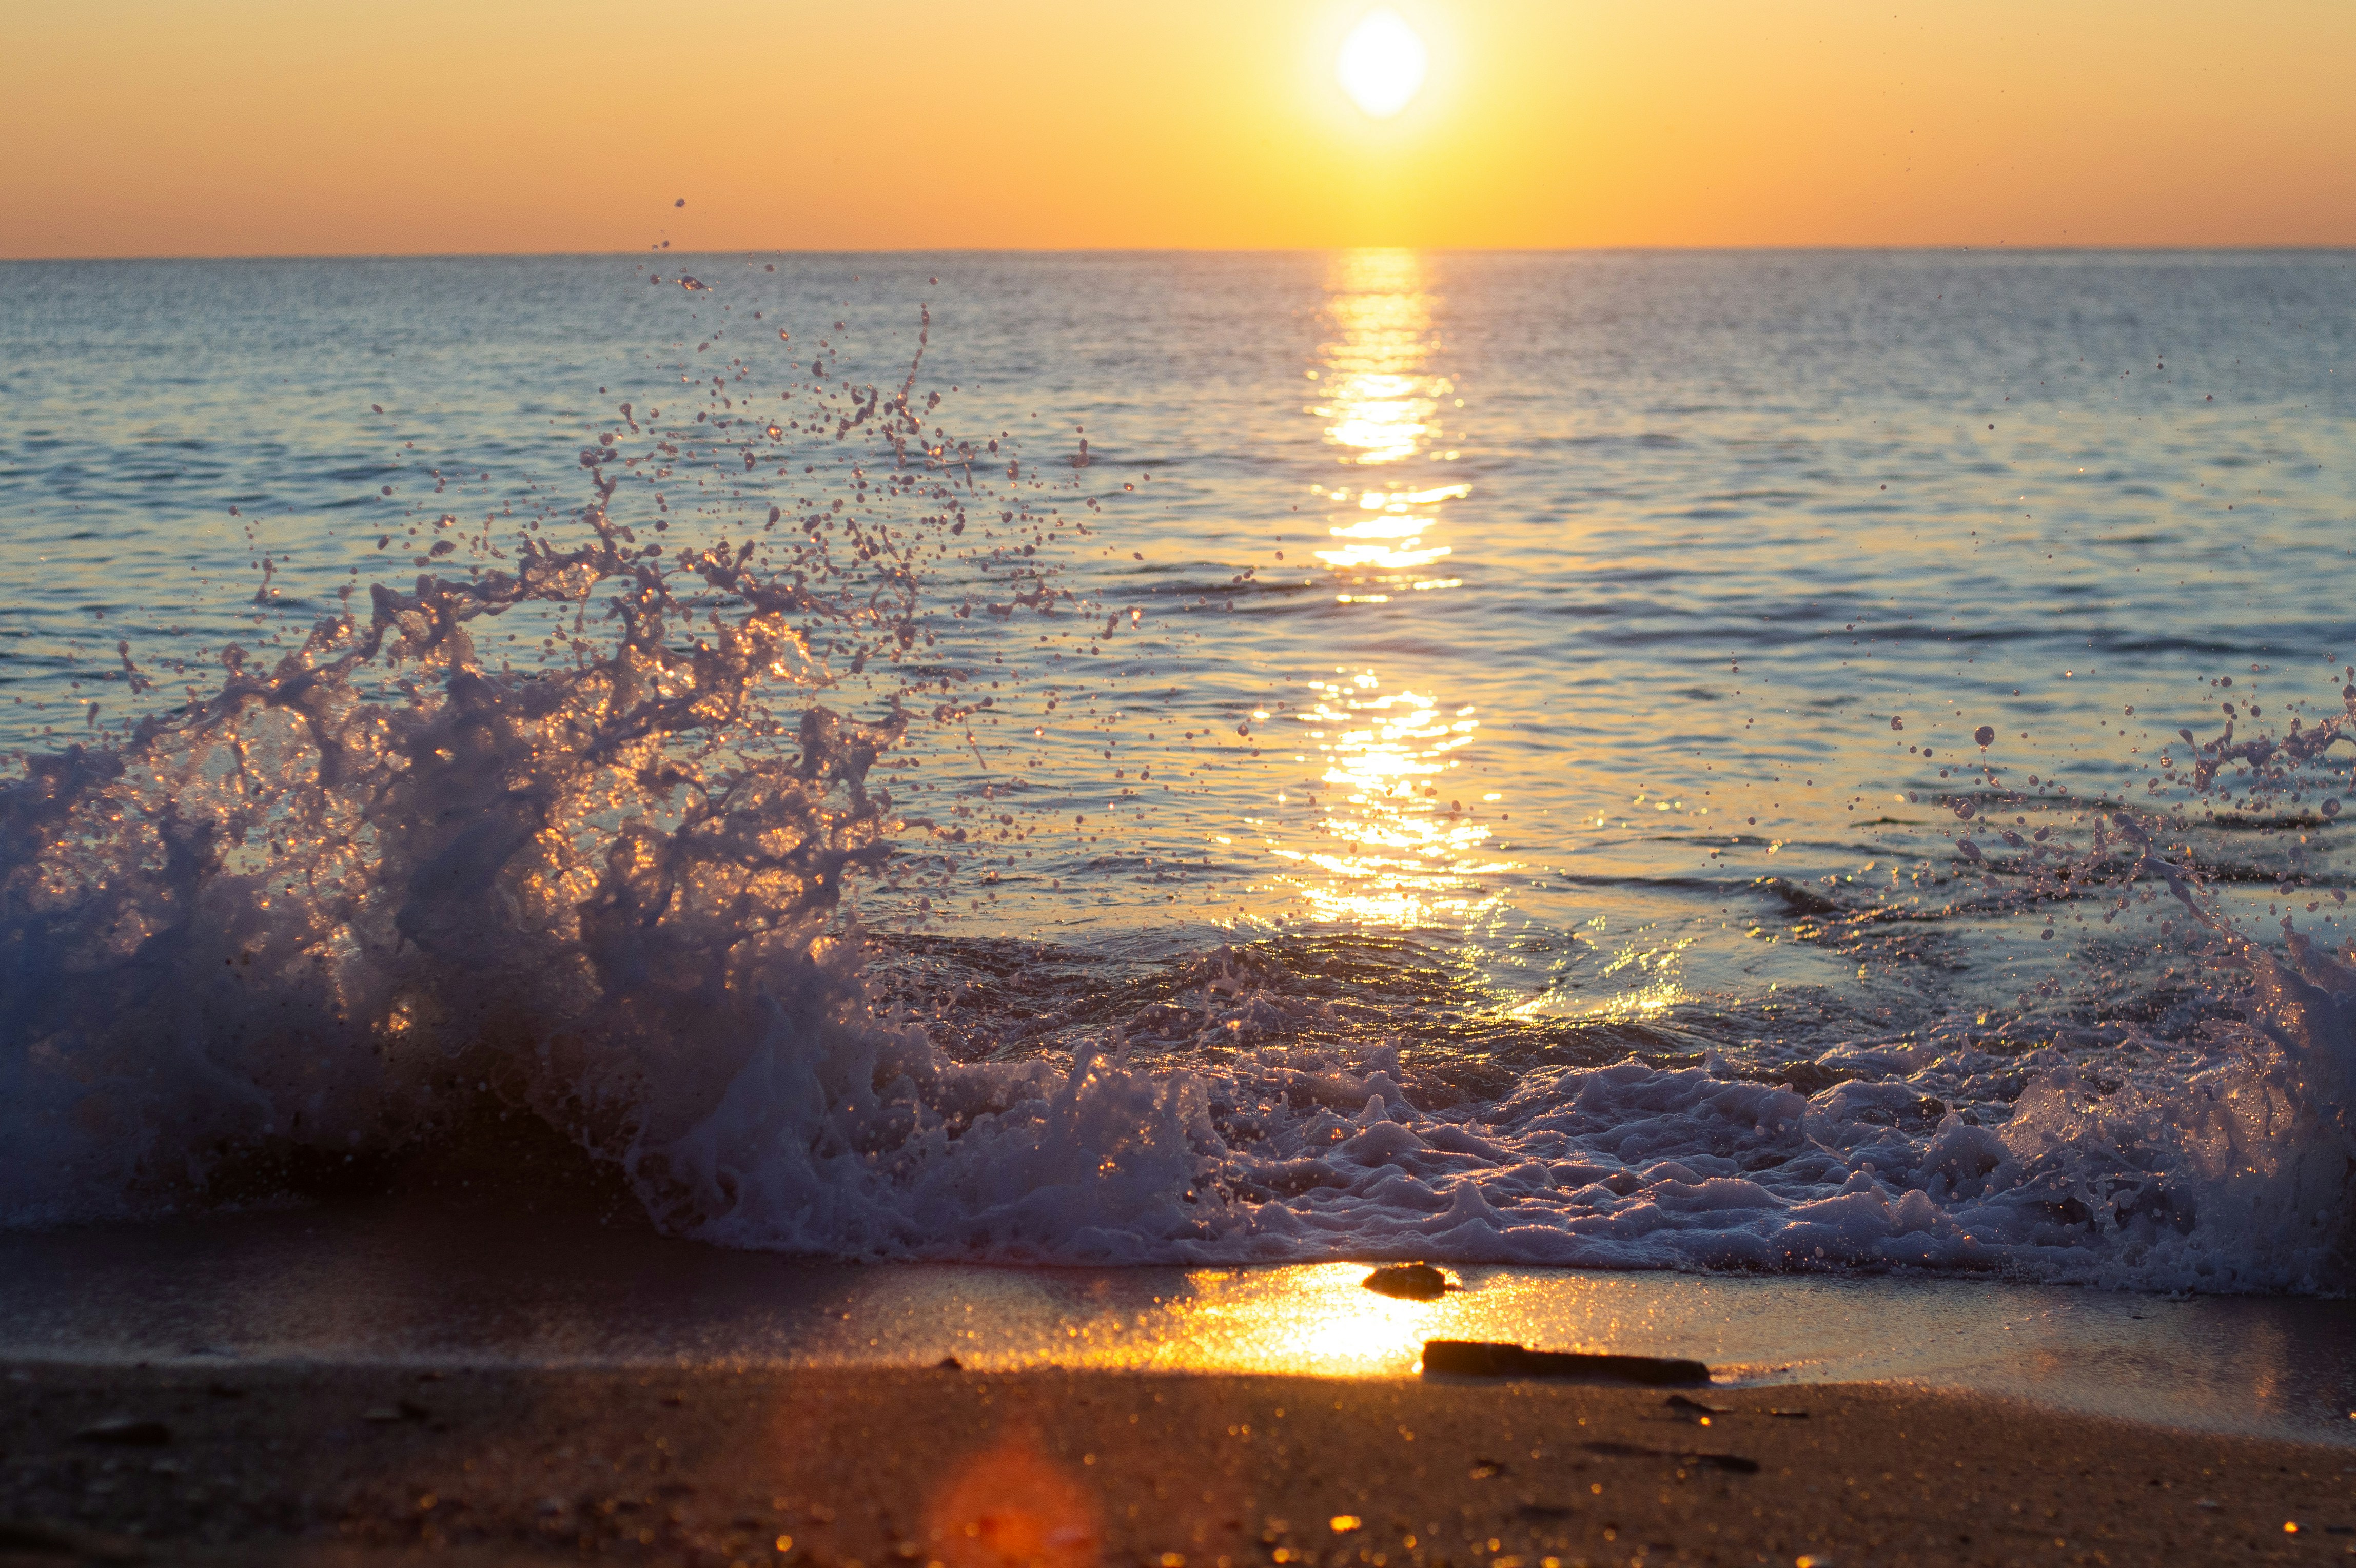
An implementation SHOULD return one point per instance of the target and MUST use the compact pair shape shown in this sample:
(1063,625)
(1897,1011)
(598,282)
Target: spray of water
(349,896)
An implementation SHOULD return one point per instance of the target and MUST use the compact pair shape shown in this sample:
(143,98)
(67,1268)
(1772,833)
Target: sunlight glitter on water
(1395,854)
(1383,405)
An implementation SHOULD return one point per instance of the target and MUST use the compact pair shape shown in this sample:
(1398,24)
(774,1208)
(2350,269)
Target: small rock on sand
(1410,1282)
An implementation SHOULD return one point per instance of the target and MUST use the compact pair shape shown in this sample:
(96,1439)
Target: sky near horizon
(260,127)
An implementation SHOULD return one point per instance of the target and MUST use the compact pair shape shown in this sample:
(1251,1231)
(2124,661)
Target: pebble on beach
(1410,1282)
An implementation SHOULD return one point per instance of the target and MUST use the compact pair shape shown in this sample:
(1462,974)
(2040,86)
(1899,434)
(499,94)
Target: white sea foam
(2220,1169)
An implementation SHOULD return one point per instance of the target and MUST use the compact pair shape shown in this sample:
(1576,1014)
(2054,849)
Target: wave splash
(317,915)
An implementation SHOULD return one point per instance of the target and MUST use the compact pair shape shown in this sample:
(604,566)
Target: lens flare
(1382,64)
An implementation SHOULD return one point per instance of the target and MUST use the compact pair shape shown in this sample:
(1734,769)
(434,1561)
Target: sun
(1381,64)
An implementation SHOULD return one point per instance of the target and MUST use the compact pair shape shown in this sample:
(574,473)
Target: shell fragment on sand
(1487,1358)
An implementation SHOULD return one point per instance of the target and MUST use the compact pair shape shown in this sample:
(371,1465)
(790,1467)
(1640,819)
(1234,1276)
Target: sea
(1746,763)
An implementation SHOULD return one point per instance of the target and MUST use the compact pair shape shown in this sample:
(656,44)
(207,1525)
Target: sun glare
(1382,64)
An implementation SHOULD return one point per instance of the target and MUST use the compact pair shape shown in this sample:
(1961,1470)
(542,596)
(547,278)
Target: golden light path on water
(1400,846)
(1395,855)
(1404,839)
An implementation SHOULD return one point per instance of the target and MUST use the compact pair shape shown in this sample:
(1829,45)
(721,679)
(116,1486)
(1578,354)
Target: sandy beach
(1373,784)
(311,1465)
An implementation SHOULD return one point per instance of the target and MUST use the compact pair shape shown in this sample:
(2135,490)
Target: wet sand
(435,1286)
(831,1468)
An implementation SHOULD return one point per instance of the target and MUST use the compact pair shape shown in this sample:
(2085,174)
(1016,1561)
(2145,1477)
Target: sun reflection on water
(1320,1319)
(1400,843)
(1382,406)
(1317,1319)
(1398,847)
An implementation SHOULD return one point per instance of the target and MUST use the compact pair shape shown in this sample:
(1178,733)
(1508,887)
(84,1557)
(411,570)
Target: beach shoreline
(427,1284)
(1652,837)
(313,1463)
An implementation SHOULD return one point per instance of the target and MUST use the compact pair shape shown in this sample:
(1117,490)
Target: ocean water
(1752,762)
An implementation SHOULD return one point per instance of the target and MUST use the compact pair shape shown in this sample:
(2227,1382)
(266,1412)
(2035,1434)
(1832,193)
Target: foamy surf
(2217,1168)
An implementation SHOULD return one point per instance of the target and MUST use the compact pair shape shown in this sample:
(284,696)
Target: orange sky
(177,127)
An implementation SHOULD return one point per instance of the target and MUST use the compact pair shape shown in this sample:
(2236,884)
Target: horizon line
(2277,248)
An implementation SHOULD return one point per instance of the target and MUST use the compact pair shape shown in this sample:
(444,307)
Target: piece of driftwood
(1490,1358)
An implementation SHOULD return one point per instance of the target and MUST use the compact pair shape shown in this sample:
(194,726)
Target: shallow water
(413,1287)
(1503,785)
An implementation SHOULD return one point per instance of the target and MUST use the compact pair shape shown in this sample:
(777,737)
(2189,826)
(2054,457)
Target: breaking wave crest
(322,912)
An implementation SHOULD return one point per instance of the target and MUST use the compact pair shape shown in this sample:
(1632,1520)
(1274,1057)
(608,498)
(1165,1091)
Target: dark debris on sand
(1495,1358)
